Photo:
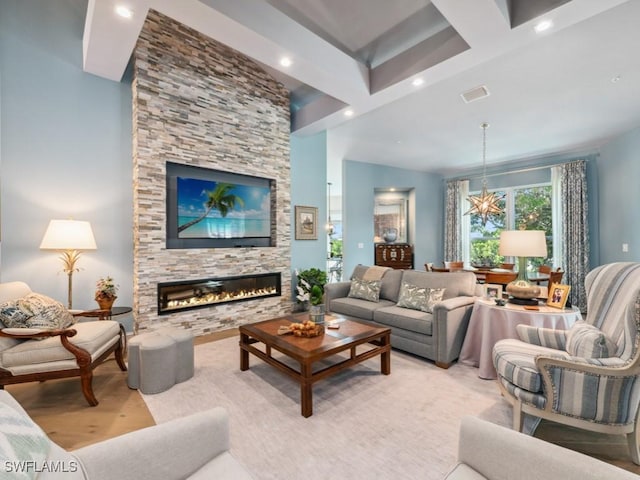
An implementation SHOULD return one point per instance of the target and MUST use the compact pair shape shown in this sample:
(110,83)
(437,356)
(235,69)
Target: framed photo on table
(306,223)
(492,290)
(557,295)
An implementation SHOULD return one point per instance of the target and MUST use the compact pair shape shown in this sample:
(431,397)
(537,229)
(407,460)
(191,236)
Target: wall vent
(475,94)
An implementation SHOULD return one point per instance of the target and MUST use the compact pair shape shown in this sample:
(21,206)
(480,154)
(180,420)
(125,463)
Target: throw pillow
(365,289)
(24,442)
(35,311)
(12,314)
(419,298)
(586,341)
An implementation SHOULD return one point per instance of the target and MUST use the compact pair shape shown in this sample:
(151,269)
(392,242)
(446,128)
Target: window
(528,206)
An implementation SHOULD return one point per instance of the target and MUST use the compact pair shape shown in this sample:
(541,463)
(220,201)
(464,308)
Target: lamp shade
(523,243)
(68,235)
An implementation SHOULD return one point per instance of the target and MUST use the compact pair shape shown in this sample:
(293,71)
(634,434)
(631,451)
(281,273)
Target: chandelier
(486,203)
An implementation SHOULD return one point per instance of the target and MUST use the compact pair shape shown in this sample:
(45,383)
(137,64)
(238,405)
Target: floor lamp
(70,237)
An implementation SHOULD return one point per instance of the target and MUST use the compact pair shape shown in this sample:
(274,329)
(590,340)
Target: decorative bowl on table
(305,329)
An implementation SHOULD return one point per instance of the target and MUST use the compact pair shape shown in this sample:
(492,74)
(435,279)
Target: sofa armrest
(335,290)
(450,322)
(498,452)
(453,303)
(171,450)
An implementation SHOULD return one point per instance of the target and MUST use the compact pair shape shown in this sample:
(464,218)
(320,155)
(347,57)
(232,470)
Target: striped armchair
(589,376)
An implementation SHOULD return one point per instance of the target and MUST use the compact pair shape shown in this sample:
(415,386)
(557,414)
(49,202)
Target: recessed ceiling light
(543,25)
(417,82)
(616,79)
(348,113)
(285,62)
(124,12)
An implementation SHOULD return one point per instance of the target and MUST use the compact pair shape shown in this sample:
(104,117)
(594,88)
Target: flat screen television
(216,209)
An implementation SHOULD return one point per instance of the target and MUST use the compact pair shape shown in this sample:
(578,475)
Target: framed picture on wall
(306,223)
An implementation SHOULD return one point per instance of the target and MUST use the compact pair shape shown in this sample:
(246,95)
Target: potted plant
(105,294)
(310,289)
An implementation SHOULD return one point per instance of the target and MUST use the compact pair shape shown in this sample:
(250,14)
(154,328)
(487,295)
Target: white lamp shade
(523,243)
(68,235)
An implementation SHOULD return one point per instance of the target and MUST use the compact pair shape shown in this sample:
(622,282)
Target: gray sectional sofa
(437,336)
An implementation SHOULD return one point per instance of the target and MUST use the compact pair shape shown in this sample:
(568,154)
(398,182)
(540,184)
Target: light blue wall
(309,188)
(359,182)
(65,151)
(619,198)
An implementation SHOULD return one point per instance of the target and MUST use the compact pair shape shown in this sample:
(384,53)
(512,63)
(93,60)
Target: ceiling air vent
(475,94)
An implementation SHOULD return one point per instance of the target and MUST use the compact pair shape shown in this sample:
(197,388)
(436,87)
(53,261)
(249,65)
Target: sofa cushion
(389,283)
(355,307)
(419,298)
(365,289)
(405,318)
(586,341)
(454,283)
(35,310)
(94,337)
(516,362)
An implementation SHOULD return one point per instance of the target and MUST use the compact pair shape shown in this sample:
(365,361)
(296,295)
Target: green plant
(311,284)
(336,248)
(105,288)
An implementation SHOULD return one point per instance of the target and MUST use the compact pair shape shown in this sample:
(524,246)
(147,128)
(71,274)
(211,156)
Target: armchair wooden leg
(633,443)
(518,417)
(86,380)
(121,350)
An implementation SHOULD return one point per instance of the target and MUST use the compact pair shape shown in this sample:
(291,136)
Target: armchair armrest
(83,358)
(611,379)
(543,337)
(171,450)
(31,333)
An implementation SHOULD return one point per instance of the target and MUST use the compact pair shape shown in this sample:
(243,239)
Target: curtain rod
(510,172)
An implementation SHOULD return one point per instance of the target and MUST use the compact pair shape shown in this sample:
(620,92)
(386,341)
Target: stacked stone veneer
(198,102)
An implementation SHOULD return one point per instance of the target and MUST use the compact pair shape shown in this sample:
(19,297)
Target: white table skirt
(490,323)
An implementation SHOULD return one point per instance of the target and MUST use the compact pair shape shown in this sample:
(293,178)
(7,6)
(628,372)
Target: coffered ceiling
(401,66)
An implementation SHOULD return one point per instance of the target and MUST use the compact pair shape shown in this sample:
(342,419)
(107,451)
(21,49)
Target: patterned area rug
(364,424)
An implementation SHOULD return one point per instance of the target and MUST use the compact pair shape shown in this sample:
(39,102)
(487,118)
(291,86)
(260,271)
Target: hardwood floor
(59,407)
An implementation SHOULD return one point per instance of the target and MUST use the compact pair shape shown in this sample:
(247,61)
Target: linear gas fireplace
(190,294)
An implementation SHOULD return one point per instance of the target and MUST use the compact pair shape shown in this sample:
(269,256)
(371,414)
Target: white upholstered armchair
(589,376)
(41,353)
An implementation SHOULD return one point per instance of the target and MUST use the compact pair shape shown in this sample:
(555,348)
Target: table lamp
(70,237)
(523,244)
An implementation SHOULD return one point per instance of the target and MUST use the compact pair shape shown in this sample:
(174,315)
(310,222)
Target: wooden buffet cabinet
(394,255)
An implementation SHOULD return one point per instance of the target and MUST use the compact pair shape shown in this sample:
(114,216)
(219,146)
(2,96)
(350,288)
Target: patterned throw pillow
(586,341)
(419,298)
(24,442)
(365,290)
(35,311)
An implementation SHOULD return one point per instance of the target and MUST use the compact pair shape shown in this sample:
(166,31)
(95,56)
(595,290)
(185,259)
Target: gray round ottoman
(160,359)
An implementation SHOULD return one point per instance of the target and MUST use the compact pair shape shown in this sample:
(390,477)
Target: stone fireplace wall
(198,102)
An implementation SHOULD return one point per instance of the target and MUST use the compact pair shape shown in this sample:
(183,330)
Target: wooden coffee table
(307,351)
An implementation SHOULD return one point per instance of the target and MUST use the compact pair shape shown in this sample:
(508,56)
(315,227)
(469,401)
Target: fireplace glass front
(190,294)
